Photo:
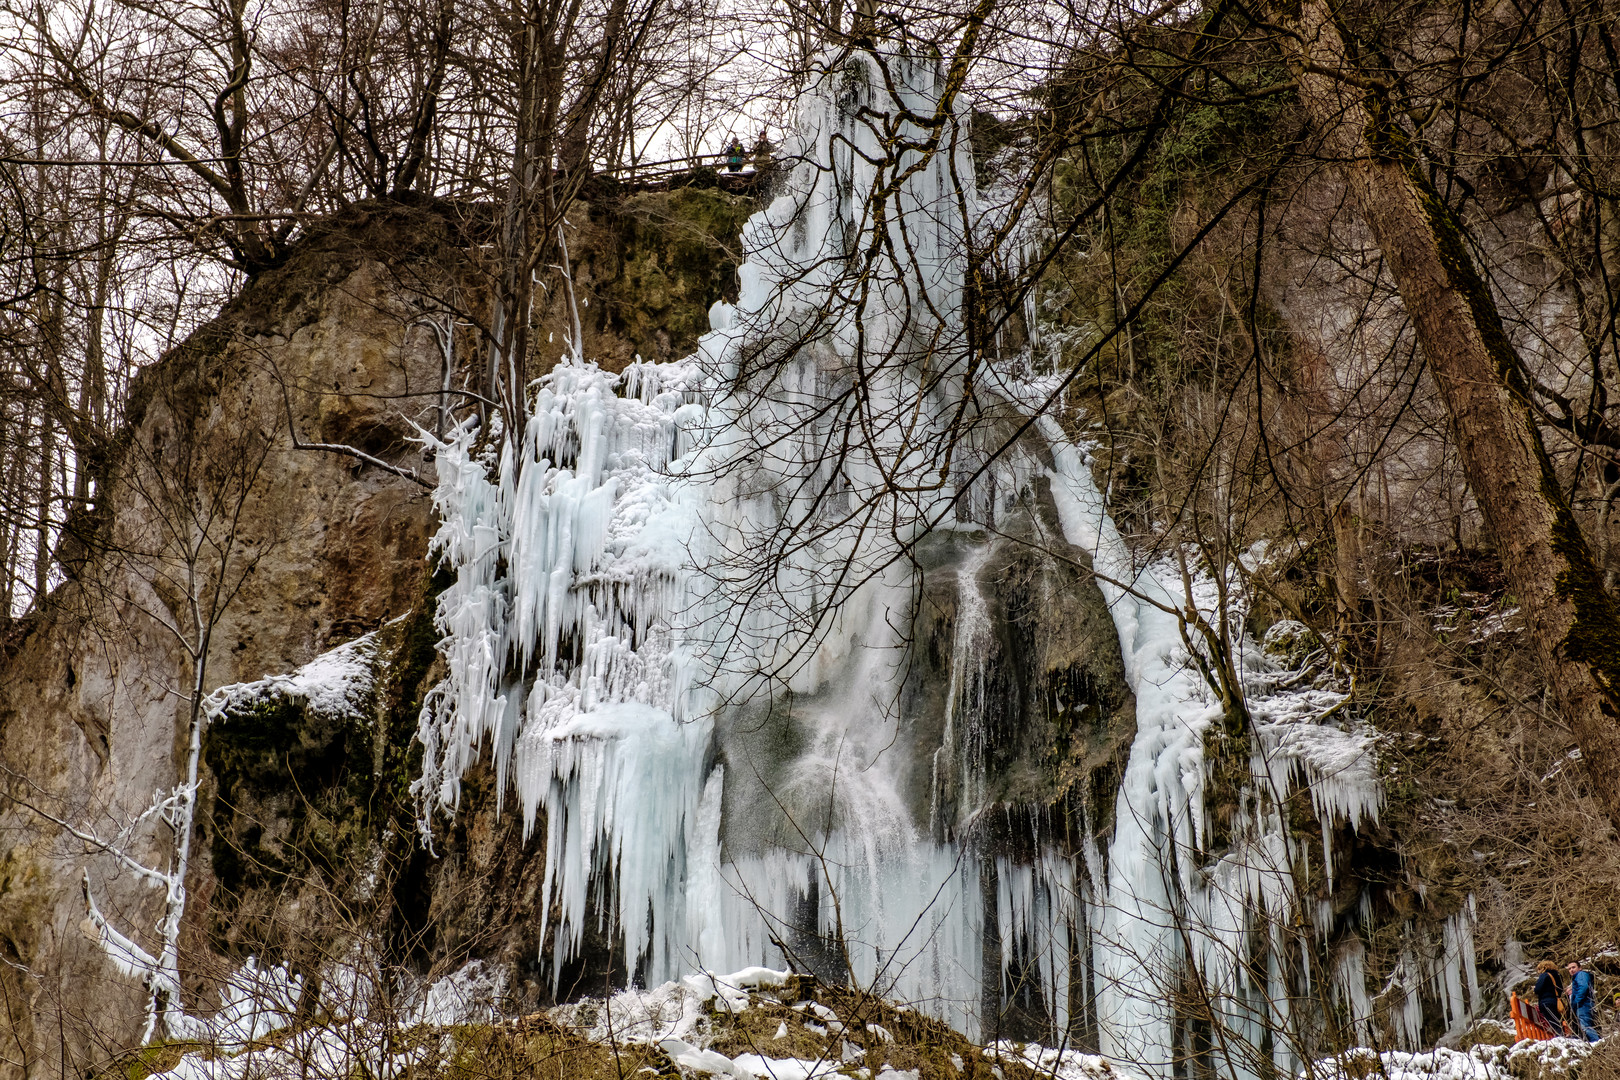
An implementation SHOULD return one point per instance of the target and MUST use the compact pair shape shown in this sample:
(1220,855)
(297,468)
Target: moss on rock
(656,263)
(292,792)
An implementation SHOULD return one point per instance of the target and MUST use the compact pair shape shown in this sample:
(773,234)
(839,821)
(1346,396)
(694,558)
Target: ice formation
(560,635)
(254,1002)
(590,640)
(612,642)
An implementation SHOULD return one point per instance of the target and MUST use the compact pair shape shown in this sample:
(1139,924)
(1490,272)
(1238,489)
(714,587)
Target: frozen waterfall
(680,626)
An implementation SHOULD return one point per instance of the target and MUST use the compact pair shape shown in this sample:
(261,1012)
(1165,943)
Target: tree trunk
(1570,617)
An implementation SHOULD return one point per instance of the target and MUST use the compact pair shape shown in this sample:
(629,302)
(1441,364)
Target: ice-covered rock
(1289,642)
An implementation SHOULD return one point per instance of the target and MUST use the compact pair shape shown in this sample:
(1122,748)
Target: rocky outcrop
(221,539)
(1058,716)
(215,541)
(645,269)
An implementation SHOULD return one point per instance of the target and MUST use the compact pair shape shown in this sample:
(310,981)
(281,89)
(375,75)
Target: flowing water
(680,628)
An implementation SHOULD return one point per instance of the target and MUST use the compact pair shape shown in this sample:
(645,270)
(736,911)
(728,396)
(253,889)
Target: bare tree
(172,565)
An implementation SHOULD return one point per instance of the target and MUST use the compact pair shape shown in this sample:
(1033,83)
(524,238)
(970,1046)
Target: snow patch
(336,684)
(1543,1059)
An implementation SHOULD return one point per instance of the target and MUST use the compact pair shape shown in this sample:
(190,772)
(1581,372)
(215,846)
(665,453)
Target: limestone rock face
(218,538)
(220,542)
(214,538)
(1058,715)
(646,268)
(1014,718)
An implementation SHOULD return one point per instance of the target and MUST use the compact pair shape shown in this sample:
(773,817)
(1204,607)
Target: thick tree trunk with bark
(1571,618)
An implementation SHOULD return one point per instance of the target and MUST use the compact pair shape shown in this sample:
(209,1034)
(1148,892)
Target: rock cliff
(223,540)
(214,541)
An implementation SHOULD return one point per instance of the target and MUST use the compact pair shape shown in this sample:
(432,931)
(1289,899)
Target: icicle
(593,632)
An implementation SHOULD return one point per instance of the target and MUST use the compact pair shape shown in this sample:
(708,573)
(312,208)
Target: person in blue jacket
(1581,1002)
(1549,989)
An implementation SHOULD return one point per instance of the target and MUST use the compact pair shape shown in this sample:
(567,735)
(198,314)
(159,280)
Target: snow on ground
(1059,1064)
(1527,1058)
(254,1002)
(469,995)
(680,1019)
(750,1066)
(334,1052)
(259,1002)
(674,1011)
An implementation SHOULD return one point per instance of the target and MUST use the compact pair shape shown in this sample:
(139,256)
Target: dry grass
(537,1048)
(147,1061)
(919,1042)
(1604,1064)
(533,1048)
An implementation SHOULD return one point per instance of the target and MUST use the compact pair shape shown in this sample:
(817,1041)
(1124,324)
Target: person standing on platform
(1581,1003)
(1549,991)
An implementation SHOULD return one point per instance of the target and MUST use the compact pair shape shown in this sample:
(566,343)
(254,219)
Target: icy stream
(613,646)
